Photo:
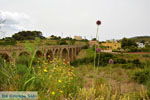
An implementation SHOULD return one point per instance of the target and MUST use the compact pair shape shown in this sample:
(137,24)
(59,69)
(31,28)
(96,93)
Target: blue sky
(120,18)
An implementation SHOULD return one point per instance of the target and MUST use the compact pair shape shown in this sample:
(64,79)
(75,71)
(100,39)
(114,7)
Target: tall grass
(52,79)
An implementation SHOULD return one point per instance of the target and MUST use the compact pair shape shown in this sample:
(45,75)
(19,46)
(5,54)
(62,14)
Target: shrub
(86,60)
(120,61)
(130,63)
(102,59)
(137,63)
(142,76)
(62,42)
(85,46)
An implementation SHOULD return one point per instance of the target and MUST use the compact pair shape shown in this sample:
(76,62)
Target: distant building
(93,42)
(111,45)
(140,45)
(49,37)
(78,37)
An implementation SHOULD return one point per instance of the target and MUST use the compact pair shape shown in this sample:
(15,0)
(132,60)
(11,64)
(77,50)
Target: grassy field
(126,79)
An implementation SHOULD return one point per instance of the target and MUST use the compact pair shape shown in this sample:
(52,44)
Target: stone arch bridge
(67,52)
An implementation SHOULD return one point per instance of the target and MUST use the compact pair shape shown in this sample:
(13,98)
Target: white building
(140,45)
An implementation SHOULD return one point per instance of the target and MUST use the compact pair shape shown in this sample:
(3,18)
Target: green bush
(142,76)
(129,64)
(62,42)
(137,63)
(102,59)
(86,60)
(85,47)
(133,49)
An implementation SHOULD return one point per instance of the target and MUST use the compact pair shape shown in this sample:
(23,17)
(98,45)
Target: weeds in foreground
(52,79)
(104,92)
(56,80)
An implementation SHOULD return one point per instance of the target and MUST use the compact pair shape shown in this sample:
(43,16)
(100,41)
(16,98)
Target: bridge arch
(5,56)
(57,53)
(49,55)
(65,54)
(39,53)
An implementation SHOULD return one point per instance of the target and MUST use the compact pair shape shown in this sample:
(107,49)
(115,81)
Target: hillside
(141,38)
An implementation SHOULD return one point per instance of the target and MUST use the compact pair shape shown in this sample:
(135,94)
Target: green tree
(53,37)
(127,43)
(28,35)
(62,42)
(94,39)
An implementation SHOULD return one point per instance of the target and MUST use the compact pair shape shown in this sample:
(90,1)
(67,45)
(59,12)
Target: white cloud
(13,22)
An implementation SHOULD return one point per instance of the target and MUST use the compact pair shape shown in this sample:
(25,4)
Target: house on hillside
(140,45)
(111,45)
(78,37)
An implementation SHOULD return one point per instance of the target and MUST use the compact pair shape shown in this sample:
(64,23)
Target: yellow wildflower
(61,91)
(53,93)
(45,70)
(59,81)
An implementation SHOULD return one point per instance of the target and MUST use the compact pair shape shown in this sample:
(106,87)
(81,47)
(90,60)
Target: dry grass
(118,78)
